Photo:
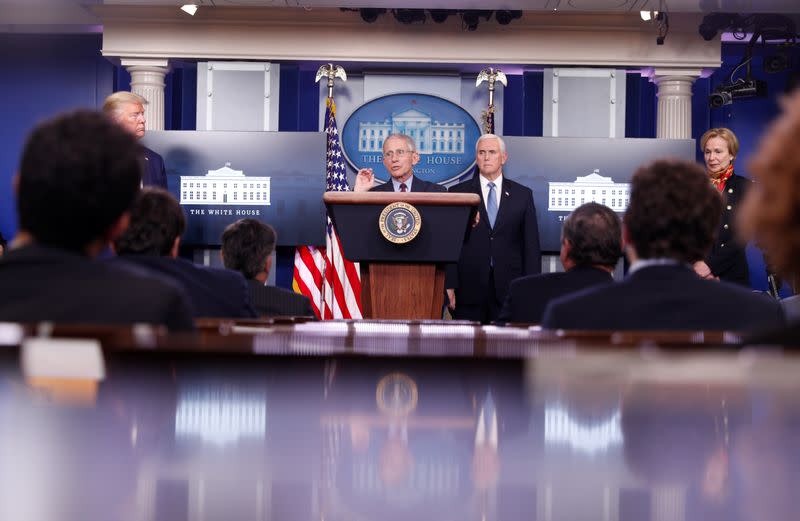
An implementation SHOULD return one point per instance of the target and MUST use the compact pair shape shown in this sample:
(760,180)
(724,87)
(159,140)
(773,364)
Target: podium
(401,280)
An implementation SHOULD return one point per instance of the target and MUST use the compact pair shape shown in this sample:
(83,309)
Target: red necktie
(403,187)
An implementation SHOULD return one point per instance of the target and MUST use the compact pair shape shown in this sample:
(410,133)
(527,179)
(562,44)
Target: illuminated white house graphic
(225,186)
(431,137)
(565,197)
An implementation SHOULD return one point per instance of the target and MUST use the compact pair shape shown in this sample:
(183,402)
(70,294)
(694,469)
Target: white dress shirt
(498,188)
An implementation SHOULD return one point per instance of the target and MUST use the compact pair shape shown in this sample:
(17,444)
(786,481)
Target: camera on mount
(725,94)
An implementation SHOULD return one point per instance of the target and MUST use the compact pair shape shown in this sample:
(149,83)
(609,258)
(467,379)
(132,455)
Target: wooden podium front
(402,281)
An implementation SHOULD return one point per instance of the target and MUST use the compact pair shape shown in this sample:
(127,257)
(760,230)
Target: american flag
(331,282)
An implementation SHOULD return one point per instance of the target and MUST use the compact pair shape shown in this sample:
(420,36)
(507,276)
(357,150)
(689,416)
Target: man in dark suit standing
(502,246)
(247,247)
(591,244)
(670,223)
(399,157)
(78,176)
(127,110)
(151,242)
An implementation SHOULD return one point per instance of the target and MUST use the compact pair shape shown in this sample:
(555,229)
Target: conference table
(384,420)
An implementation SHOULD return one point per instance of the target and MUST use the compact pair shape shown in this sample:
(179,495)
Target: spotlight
(370,15)
(189,9)
(725,94)
(716,22)
(471,18)
(439,15)
(505,17)
(409,16)
(648,15)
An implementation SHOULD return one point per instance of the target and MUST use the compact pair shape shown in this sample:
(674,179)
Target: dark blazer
(513,245)
(43,283)
(214,292)
(528,296)
(727,259)
(275,302)
(153,173)
(418,185)
(668,297)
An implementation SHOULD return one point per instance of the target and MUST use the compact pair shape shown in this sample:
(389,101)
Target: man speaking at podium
(399,157)
(503,245)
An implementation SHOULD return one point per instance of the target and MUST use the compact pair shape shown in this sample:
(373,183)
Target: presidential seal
(399,223)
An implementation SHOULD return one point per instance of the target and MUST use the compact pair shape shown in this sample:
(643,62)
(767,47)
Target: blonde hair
(112,106)
(726,134)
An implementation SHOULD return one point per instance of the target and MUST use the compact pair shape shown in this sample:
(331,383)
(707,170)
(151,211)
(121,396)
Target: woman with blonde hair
(727,260)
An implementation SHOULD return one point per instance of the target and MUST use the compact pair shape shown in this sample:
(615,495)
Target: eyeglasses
(399,153)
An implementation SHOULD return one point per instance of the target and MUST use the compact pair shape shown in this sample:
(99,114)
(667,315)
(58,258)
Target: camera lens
(718,99)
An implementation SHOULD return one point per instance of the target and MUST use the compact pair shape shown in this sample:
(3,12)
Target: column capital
(144,62)
(689,73)
(674,118)
(147,80)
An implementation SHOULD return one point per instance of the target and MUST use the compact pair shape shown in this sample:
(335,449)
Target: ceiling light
(648,15)
(189,9)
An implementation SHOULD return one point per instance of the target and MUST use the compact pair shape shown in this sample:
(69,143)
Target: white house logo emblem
(565,197)
(431,137)
(225,186)
(443,132)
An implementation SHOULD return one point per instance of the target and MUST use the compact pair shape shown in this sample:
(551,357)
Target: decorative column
(147,80)
(674,118)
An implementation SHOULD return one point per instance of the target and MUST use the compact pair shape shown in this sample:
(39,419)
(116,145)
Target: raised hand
(365,180)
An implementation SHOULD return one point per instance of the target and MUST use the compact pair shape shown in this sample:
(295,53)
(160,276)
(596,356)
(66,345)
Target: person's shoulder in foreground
(528,296)
(665,298)
(86,291)
(274,301)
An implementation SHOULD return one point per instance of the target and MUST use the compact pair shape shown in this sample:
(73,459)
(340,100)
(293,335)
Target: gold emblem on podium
(399,222)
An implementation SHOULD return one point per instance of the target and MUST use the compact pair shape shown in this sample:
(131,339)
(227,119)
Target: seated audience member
(591,244)
(152,241)
(247,247)
(669,224)
(771,211)
(77,179)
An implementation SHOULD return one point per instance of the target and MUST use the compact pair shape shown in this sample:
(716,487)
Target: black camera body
(725,94)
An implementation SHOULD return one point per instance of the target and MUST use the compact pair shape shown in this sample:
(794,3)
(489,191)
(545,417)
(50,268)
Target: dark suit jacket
(42,283)
(153,173)
(214,292)
(274,302)
(668,297)
(418,185)
(513,245)
(727,259)
(528,296)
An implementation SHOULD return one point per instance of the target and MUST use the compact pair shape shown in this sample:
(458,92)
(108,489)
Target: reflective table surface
(548,434)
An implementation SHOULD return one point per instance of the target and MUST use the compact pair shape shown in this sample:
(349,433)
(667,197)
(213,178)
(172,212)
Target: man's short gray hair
(112,106)
(491,136)
(410,143)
